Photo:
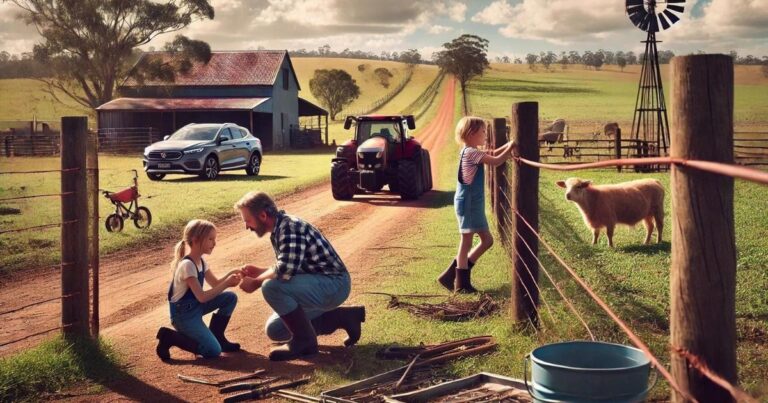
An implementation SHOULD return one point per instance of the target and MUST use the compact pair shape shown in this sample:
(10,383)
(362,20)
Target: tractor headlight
(339,150)
(194,150)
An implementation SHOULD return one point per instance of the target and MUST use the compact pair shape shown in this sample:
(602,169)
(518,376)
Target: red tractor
(381,153)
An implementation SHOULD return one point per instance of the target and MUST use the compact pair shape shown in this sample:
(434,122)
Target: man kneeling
(304,287)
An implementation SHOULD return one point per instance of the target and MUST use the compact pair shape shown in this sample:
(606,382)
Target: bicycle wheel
(142,218)
(114,223)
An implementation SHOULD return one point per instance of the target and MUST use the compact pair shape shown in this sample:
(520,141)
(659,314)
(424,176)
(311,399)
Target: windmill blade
(675,1)
(673,7)
(634,3)
(664,23)
(653,25)
(645,23)
(637,18)
(672,17)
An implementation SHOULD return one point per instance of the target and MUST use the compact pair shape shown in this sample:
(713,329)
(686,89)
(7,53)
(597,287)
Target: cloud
(497,13)
(723,22)
(439,29)
(225,5)
(457,11)
(555,21)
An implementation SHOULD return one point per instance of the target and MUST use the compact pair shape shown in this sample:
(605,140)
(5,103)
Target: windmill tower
(650,122)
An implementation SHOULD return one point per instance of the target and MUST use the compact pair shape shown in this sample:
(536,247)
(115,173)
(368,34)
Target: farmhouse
(254,89)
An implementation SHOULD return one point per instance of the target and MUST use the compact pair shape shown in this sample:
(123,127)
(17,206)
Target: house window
(285,79)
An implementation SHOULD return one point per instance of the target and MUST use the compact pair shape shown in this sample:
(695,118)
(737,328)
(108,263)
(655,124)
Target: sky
(512,27)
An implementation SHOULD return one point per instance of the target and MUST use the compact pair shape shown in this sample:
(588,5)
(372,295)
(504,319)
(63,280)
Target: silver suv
(204,150)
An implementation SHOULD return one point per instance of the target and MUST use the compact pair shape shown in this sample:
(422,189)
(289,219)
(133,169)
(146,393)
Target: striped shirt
(470,159)
(300,248)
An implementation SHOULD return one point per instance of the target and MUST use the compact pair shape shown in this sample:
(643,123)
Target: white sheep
(624,203)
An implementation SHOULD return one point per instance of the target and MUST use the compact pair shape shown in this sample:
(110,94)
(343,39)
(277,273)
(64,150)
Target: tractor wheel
(409,174)
(427,161)
(392,182)
(341,182)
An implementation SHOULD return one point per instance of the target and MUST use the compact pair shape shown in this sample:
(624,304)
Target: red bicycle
(141,216)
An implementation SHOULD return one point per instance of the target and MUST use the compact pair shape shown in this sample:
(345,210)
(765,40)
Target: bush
(383,75)
(361,67)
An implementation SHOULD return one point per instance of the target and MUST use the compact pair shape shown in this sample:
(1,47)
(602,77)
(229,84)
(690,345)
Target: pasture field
(21,99)
(632,278)
(279,175)
(587,99)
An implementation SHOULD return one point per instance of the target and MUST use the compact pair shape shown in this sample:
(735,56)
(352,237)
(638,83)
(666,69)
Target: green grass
(54,365)
(23,99)
(588,99)
(173,201)
(632,278)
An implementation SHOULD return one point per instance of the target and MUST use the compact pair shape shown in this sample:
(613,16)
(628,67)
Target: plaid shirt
(300,248)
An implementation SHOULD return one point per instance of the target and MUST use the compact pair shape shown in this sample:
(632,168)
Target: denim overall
(187,315)
(469,201)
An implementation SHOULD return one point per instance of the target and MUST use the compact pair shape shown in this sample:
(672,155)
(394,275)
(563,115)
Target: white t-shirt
(184,270)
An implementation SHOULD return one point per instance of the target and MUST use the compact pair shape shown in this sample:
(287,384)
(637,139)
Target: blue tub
(588,371)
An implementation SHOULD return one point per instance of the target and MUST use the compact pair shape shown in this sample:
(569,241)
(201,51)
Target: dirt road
(133,287)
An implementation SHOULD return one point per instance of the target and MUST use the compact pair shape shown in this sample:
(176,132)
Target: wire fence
(422,103)
(506,229)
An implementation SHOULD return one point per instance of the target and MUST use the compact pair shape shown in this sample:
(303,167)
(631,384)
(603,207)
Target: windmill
(650,123)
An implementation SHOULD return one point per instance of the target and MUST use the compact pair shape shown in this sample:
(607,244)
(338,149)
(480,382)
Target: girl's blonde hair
(466,126)
(193,232)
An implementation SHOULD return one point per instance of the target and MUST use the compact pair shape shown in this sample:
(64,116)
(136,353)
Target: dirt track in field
(134,286)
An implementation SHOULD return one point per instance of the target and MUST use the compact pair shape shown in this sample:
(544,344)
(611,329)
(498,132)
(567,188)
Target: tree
(563,60)
(547,58)
(530,58)
(411,57)
(334,88)
(465,57)
(90,44)
(621,61)
(383,75)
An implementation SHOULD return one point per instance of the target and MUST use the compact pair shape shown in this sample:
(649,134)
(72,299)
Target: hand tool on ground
(247,385)
(190,379)
(261,393)
(440,353)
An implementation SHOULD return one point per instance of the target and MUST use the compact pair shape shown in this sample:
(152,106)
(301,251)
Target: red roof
(182,104)
(257,67)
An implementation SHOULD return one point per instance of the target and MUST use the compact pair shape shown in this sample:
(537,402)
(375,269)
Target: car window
(195,133)
(245,133)
(226,133)
(235,133)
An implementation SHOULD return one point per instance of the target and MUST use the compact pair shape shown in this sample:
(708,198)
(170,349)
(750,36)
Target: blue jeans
(188,319)
(314,293)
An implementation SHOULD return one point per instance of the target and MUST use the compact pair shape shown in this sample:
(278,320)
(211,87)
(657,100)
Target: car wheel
(254,165)
(155,176)
(143,218)
(210,169)
(114,223)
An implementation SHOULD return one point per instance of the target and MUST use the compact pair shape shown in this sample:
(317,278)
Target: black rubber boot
(348,318)
(218,326)
(463,283)
(304,340)
(447,277)
(168,338)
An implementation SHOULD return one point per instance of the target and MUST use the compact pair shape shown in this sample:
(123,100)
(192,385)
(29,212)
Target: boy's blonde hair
(466,126)
(193,232)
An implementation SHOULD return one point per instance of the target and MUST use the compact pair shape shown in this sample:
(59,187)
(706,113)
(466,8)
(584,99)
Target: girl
(188,301)
(469,201)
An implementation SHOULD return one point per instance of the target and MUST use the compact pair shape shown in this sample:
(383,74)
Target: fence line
(38,334)
(377,104)
(54,225)
(632,336)
(36,196)
(38,303)
(698,363)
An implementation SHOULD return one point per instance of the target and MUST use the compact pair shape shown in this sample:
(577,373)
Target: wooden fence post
(617,147)
(74,234)
(92,164)
(500,172)
(703,273)
(524,195)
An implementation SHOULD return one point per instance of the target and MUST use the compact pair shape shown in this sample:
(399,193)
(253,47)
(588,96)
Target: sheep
(624,203)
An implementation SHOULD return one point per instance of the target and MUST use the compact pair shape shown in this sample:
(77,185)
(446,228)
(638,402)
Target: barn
(255,89)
